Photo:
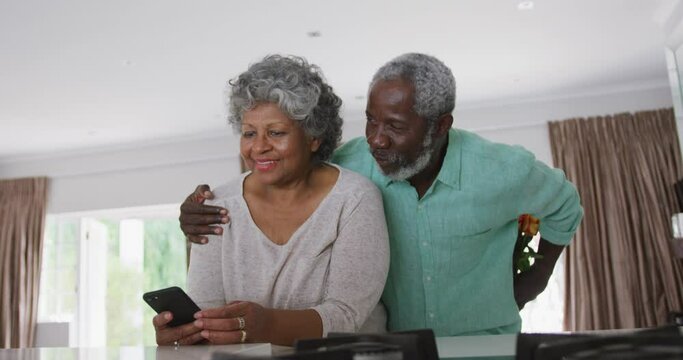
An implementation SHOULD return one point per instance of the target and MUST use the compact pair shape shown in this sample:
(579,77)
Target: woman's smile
(264,165)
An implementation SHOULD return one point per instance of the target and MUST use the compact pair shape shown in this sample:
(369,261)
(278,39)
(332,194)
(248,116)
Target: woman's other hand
(187,334)
(222,325)
(196,218)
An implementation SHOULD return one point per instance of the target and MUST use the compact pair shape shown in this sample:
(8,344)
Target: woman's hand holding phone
(187,334)
(175,316)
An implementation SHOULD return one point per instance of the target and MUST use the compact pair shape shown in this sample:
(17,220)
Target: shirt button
(424,243)
(431,315)
(429,278)
(419,207)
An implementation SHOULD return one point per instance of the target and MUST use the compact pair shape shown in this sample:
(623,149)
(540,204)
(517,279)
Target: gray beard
(407,170)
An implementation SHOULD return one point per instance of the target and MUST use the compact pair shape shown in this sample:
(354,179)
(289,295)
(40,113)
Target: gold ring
(244,336)
(242,323)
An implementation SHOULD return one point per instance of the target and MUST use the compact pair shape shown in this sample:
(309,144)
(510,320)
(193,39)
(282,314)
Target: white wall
(526,123)
(148,174)
(165,172)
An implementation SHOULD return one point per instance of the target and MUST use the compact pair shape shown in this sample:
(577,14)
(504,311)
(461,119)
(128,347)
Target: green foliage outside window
(164,266)
(128,318)
(165,263)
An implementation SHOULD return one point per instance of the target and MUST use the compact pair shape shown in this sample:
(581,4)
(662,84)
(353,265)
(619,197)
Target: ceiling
(79,74)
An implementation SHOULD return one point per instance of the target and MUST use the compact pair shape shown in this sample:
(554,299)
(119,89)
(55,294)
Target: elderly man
(451,200)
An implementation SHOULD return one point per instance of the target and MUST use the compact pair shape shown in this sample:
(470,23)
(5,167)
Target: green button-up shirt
(451,251)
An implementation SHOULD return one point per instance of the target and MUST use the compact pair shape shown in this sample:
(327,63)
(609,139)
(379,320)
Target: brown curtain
(22,219)
(620,269)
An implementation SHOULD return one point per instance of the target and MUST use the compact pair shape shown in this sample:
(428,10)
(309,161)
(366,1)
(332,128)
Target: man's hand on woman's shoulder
(198,220)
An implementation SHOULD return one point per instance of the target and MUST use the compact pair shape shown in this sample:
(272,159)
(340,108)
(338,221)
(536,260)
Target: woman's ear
(315,145)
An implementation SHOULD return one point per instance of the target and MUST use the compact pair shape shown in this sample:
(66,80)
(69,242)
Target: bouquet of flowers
(523,254)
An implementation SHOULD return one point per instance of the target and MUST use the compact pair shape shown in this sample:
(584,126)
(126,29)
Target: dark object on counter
(678,188)
(415,344)
(329,355)
(657,343)
(676,318)
(408,345)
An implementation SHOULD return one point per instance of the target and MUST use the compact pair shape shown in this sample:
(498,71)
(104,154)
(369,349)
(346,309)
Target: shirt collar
(385,180)
(452,163)
(450,169)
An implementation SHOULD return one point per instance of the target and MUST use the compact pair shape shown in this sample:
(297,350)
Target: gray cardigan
(336,263)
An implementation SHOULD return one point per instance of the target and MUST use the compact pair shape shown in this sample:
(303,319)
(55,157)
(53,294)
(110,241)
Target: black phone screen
(175,300)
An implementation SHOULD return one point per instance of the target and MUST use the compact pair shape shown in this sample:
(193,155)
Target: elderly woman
(306,251)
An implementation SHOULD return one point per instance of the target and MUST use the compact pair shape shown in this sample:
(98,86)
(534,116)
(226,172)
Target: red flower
(528,224)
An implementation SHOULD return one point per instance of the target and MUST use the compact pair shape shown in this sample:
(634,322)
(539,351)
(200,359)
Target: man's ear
(443,124)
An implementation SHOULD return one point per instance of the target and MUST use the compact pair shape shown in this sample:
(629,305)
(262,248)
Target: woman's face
(274,147)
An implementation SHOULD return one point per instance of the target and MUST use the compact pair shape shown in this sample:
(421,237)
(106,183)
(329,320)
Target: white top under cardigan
(335,263)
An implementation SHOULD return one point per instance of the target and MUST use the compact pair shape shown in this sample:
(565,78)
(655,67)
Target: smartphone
(175,300)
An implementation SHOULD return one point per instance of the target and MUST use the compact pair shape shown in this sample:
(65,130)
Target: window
(546,313)
(96,267)
(58,281)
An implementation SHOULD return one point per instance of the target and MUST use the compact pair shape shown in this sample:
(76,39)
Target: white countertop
(198,352)
(449,347)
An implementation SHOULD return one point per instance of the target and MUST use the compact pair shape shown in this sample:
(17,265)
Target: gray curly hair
(433,81)
(299,90)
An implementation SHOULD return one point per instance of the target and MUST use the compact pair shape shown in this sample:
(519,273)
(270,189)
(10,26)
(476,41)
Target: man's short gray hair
(298,89)
(433,81)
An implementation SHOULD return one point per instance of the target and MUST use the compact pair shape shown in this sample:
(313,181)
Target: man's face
(399,139)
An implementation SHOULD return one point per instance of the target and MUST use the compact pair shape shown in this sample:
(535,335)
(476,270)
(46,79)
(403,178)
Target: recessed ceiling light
(525,5)
(314,34)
